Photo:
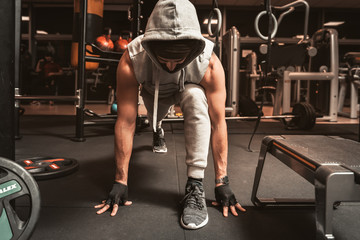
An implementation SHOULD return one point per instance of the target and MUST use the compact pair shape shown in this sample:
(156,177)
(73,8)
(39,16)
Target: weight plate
(15,182)
(312,116)
(305,116)
(49,167)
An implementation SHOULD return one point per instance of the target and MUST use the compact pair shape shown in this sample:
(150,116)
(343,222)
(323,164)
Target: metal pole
(138,18)
(32,31)
(50,97)
(334,66)
(17,67)
(81,74)
(286,92)
(7,73)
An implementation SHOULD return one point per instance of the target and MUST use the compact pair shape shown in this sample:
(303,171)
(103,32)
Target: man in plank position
(174,63)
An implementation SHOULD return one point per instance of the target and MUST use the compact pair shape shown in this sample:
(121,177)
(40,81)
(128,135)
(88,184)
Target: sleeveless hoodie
(170,20)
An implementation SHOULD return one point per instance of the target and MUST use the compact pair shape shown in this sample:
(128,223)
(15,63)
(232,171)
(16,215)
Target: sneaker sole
(160,151)
(193,226)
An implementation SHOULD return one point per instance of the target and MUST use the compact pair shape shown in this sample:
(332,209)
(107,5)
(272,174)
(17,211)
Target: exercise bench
(330,163)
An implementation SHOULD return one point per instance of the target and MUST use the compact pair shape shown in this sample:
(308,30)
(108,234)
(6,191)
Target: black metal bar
(137,18)
(7,73)
(99,121)
(100,59)
(32,33)
(17,43)
(236,118)
(81,74)
(17,68)
(50,97)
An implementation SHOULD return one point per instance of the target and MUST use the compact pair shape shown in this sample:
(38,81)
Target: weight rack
(82,59)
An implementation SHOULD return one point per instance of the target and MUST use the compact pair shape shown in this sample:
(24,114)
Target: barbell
(303,116)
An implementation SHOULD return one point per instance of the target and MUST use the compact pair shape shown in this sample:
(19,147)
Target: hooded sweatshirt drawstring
(182,81)
(156,101)
(156,96)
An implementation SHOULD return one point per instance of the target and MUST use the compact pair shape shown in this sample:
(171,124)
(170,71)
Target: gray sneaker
(159,145)
(195,213)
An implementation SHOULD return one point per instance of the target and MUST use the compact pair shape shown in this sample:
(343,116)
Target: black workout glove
(225,196)
(118,194)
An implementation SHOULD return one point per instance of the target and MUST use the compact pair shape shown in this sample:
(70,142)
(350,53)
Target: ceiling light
(41,32)
(213,21)
(333,23)
(25,18)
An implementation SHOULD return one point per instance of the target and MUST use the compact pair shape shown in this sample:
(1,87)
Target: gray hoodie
(170,20)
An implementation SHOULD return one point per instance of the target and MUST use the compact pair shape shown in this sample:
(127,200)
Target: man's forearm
(123,147)
(219,145)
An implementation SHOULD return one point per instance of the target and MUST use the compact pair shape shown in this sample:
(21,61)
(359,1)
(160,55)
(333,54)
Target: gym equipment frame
(232,50)
(283,89)
(352,73)
(104,57)
(331,76)
(334,173)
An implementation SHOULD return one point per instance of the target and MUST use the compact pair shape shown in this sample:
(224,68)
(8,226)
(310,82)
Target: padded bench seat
(330,163)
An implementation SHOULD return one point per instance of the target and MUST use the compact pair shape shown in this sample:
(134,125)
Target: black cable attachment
(267,69)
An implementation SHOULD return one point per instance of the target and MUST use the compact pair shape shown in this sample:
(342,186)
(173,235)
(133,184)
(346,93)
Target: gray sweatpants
(197,128)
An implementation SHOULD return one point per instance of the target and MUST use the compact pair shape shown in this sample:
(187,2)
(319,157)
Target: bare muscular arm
(214,85)
(127,100)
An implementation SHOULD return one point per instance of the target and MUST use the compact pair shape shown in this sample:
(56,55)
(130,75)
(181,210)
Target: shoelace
(194,198)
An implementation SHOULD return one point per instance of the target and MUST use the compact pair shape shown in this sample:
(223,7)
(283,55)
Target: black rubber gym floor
(157,182)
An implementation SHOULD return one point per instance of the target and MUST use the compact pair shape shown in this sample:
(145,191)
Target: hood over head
(173,30)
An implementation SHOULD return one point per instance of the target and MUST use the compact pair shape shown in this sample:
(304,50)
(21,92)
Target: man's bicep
(216,102)
(216,90)
(126,90)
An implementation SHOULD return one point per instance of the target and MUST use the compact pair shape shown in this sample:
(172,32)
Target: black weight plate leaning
(305,116)
(300,114)
(311,116)
(49,167)
(15,182)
